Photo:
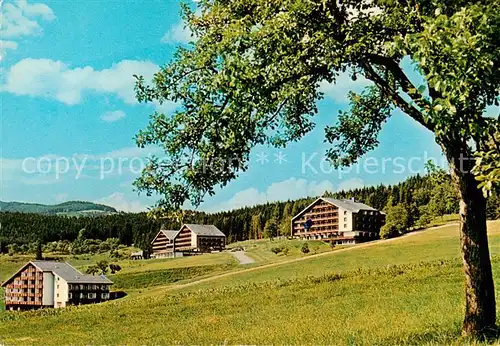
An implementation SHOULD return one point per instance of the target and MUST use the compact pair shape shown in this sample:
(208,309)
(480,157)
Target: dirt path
(242,257)
(270,265)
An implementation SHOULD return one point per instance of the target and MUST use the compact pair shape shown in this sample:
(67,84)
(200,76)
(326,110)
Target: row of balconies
(24,286)
(23,294)
(300,228)
(23,302)
(162,246)
(316,218)
(88,287)
(330,232)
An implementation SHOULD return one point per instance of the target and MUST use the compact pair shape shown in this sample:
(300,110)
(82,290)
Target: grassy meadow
(403,291)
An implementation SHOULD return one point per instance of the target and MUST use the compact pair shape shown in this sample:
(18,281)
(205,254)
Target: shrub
(114,268)
(276,250)
(389,231)
(305,248)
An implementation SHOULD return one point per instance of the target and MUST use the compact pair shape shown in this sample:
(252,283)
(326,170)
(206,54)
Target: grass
(147,279)
(260,250)
(402,292)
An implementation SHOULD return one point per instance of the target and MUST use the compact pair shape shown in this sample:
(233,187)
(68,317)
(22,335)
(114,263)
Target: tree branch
(395,97)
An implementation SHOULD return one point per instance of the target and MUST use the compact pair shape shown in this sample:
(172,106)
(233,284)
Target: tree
(256,226)
(397,220)
(102,266)
(493,206)
(443,198)
(285,225)
(39,253)
(271,229)
(251,76)
(425,217)
(92,270)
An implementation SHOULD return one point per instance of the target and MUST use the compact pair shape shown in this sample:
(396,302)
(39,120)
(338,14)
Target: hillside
(62,208)
(403,291)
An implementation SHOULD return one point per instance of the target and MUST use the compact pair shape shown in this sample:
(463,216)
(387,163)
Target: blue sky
(68,113)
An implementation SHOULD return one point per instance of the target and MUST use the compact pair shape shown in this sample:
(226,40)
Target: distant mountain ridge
(62,208)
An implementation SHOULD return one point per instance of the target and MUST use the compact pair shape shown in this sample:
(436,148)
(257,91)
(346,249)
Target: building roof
(347,204)
(169,233)
(207,230)
(65,271)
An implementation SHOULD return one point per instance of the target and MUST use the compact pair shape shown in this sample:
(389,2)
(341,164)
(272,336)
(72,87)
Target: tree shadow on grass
(440,336)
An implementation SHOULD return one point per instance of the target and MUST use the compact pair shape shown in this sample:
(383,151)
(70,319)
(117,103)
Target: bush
(114,268)
(276,250)
(389,231)
(305,248)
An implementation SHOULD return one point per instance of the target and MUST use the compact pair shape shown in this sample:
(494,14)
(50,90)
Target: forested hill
(66,207)
(416,200)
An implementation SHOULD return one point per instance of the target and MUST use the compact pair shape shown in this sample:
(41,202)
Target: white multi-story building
(40,284)
(341,221)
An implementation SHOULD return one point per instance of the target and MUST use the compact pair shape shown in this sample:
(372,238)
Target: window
(58,295)
(105,295)
(92,295)
(70,295)
(57,286)
(345,219)
(345,225)
(345,212)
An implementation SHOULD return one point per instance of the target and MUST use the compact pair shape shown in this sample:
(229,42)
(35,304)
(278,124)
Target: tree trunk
(480,310)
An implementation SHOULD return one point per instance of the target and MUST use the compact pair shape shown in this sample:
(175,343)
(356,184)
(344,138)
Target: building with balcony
(191,239)
(49,284)
(341,221)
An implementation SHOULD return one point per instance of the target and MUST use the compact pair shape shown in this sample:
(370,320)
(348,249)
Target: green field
(407,290)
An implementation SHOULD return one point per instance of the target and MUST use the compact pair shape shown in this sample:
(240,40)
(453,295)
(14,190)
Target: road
(242,257)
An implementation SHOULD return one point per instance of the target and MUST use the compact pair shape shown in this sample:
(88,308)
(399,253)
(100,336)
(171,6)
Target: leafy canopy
(252,74)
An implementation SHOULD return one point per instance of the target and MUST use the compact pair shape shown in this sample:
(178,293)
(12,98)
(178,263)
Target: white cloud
(8,169)
(56,80)
(129,152)
(166,107)
(37,9)
(124,164)
(113,116)
(8,44)
(338,90)
(351,184)
(177,34)
(18,21)
(291,188)
(61,197)
(5,45)
(119,201)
